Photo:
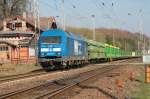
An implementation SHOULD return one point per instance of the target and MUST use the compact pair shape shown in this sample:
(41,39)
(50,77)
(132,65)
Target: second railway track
(21,76)
(51,89)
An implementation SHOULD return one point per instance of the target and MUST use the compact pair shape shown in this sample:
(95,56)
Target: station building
(18,39)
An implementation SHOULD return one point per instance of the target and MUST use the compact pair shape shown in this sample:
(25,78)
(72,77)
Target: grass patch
(143,89)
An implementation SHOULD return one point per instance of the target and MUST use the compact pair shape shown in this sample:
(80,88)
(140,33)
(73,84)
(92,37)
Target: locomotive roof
(53,32)
(95,43)
(57,32)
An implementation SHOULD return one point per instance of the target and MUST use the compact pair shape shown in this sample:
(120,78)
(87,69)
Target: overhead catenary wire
(68,12)
(78,14)
(102,5)
(103,12)
(47,4)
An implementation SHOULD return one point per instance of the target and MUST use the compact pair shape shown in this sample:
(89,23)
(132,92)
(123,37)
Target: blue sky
(132,15)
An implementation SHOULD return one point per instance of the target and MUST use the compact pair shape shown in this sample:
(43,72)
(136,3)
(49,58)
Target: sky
(131,15)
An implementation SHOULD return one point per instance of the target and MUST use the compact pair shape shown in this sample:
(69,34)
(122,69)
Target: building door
(20,55)
(4,53)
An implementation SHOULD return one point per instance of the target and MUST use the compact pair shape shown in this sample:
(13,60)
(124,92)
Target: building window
(14,25)
(3,48)
(8,25)
(18,24)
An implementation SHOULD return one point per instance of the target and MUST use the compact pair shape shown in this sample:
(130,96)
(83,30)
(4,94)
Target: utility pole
(142,38)
(125,45)
(36,16)
(149,47)
(113,38)
(113,31)
(36,25)
(63,15)
(138,45)
(93,19)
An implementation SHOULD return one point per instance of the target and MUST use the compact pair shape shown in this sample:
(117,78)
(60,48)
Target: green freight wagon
(136,54)
(98,51)
(95,50)
(108,51)
(111,51)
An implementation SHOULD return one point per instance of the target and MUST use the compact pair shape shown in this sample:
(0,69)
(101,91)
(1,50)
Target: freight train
(58,49)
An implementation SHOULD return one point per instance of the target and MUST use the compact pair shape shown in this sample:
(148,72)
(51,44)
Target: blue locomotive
(60,49)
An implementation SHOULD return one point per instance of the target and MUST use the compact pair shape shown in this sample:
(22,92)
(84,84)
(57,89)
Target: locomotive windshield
(51,40)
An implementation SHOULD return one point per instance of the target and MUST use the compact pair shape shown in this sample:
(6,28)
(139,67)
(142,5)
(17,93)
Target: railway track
(85,77)
(125,60)
(21,76)
(53,88)
(40,72)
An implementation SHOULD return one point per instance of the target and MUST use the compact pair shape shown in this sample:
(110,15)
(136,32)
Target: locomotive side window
(51,40)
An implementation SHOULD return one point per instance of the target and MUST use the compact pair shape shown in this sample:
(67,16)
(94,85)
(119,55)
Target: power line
(73,7)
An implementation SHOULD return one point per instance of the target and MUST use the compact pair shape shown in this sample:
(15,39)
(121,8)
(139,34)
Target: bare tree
(10,8)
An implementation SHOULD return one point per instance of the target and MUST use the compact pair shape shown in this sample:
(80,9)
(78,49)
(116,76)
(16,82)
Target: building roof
(43,21)
(14,33)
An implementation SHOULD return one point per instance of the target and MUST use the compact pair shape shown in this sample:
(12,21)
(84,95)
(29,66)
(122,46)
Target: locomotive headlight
(44,49)
(56,49)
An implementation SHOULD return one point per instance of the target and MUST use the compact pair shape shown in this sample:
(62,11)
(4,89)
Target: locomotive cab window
(51,40)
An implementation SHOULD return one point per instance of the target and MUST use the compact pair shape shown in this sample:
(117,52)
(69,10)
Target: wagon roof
(95,43)
(107,45)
